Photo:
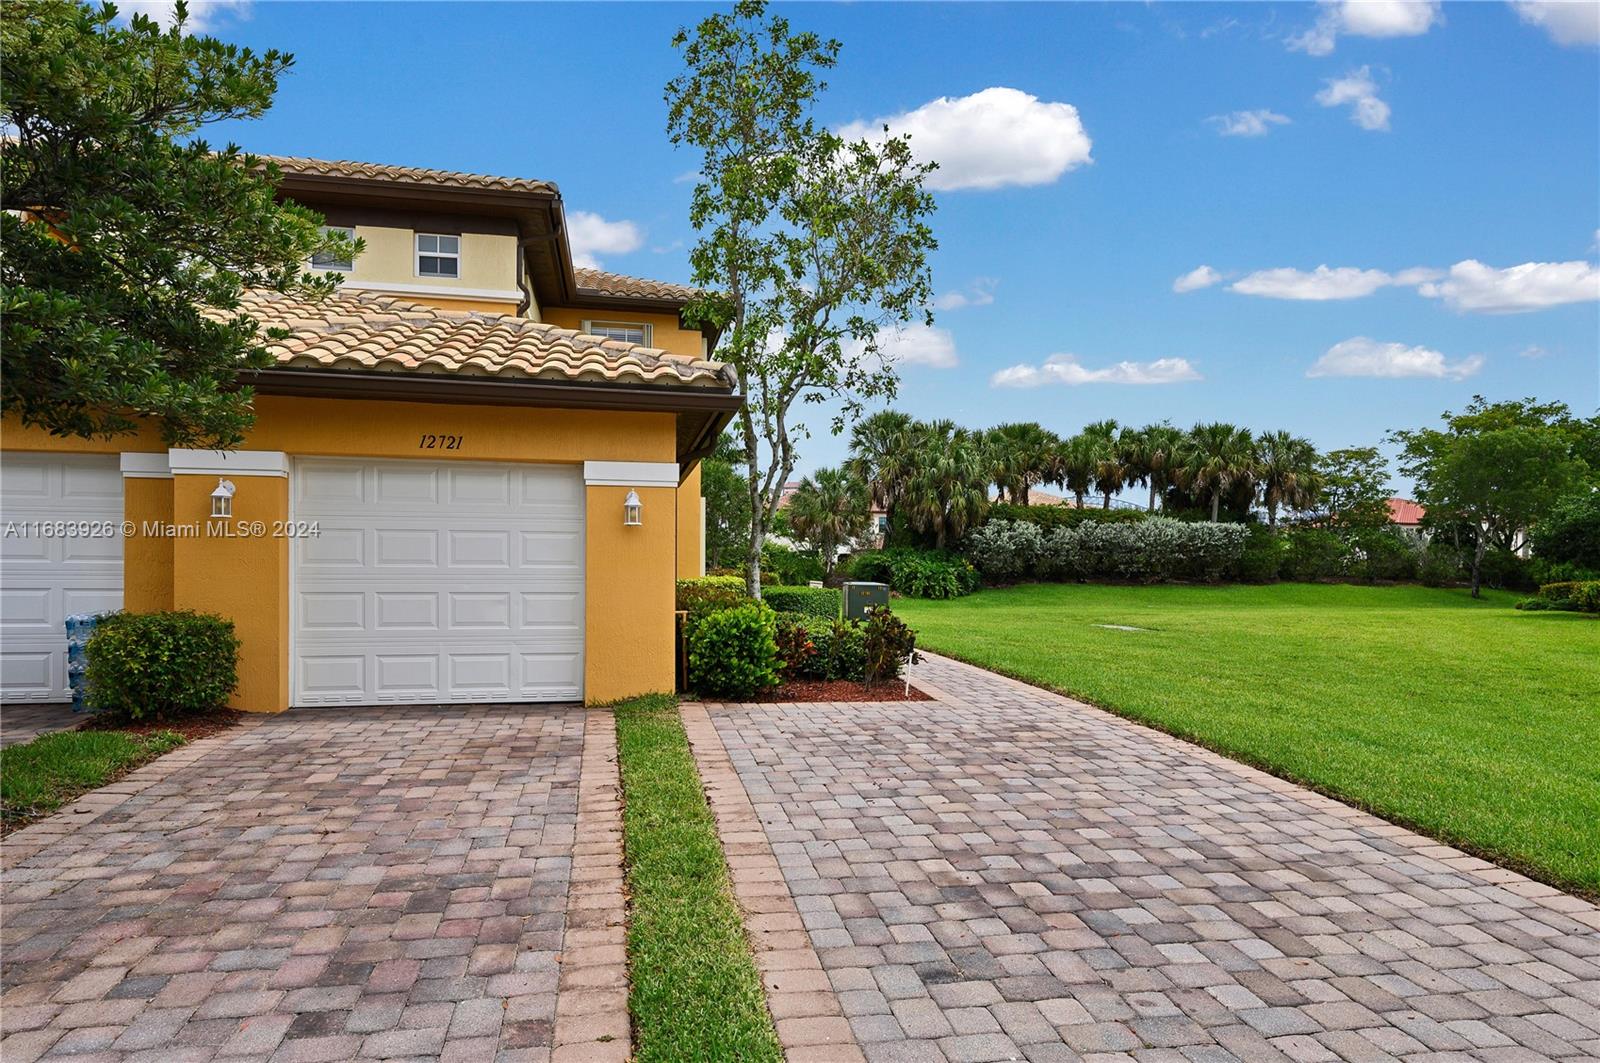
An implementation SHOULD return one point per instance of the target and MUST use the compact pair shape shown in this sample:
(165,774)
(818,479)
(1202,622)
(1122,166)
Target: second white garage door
(437,583)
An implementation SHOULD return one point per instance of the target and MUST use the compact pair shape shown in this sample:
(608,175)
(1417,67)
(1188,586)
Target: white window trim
(417,252)
(347,267)
(649,329)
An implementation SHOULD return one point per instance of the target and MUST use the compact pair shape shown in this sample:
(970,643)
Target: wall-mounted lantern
(222,499)
(630,510)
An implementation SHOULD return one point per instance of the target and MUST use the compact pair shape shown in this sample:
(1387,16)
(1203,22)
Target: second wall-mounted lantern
(222,499)
(630,510)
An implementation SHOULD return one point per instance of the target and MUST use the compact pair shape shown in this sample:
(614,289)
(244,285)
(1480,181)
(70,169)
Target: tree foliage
(1499,467)
(126,240)
(1355,487)
(827,511)
(726,488)
(810,246)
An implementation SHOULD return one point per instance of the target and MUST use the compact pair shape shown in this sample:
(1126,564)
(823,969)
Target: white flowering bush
(1005,551)
(1149,551)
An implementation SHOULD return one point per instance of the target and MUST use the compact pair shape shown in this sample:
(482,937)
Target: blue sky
(1419,153)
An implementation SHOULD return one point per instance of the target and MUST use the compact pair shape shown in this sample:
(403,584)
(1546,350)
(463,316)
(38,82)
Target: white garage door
(437,582)
(47,573)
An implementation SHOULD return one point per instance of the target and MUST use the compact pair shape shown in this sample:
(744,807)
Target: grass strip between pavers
(696,992)
(40,776)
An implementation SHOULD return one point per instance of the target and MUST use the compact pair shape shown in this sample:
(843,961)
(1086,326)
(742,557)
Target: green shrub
(841,647)
(871,566)
(767,578)
(1262,557)
(1533,605)
(793,568)
(931,574)
(1005,551)
(825,602)
(1441,566)
(888,643)
(1150,550)
(1314,554)
(161,664)
(1571,533)
(1582,596)
(1506,570)
(734,653)
(795,647)
(710,594)
(1383,554)
(1544,571)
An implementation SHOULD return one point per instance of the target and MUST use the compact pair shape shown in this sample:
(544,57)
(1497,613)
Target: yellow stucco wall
(628,588)
(487,260)
(13,436)
(691,550)
(665,331)
(244,578)
(146,558)
(630,571)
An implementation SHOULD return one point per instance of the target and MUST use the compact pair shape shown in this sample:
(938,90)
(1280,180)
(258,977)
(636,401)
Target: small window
(438,256)
(325,260)
(626,331)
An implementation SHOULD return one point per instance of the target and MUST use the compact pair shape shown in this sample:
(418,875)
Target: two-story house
(473,473)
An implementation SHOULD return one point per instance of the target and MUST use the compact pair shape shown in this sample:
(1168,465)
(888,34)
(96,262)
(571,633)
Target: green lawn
(40,776)
(696,992)
(1467,720)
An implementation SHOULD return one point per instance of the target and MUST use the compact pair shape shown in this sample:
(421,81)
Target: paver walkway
(1008,874)
(327,885)
(24,723)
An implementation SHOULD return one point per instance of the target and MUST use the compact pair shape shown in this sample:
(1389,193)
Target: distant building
(1407,516)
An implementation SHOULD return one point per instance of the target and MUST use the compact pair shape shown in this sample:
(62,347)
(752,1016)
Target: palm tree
(1217,458)
(1152,453)
(1287,473)
(878,448)
(1073,466)
(1110,471)
(1019,457)
(828,510)
(949,486)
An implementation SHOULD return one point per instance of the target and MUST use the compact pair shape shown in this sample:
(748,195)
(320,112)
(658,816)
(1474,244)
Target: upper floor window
(626,331)
(438,256)
(326,260)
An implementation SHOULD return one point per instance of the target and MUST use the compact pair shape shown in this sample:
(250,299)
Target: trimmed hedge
(824,602)
(709,594)
(1578,596)
(1149,550)
(161,664)
(733,653)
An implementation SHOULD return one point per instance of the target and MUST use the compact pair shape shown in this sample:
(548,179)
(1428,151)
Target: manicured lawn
(696,992)
(40,776)
(1467,720)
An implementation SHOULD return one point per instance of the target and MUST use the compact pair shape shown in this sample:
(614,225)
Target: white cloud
(1571,22)
(913,344)
(1359,91)
(1365,18)
(592,236)
(1197,278)
(1360,356)
(978,293)
(1471,285)
(991,139)
(1533,350)
(1066,369)
(203,14)
(1321,284)
(1256,123)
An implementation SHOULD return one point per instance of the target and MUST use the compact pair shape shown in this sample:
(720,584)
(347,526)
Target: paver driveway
(326,885)
(1006,874)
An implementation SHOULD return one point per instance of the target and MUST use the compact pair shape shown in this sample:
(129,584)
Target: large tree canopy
(126,240)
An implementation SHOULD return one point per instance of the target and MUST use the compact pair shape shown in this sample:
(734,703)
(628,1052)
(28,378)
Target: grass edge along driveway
(39,776)
(1465,720)
(696,993)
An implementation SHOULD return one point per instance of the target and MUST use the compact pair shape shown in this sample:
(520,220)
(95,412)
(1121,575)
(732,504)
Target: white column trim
(142,465)
(228,462)
(630,473)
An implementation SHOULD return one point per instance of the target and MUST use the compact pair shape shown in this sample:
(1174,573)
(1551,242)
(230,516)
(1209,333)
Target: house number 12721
(433,442)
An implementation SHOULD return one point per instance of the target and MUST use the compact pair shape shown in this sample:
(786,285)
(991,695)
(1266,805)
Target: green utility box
(859,597)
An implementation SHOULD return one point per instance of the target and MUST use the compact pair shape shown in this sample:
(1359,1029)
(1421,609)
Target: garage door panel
(46,578)
(469,579)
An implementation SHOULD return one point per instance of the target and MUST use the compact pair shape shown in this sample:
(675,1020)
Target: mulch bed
(842,690)
(191,727)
